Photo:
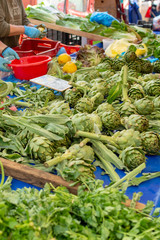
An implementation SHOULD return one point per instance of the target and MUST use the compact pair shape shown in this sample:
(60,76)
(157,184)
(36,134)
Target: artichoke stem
(124,73)
(84,142)
(99,137)
(108,168)
(23,104)
(133,79)
(58,159)
(129,176)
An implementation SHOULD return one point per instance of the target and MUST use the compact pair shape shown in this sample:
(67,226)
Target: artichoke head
(126,109)
(156,102)
(130,56)
(41,148)
(111,120)
(83,122)
(132,157)
(144,106)
(127,138)
(118,64)
(97,120)
(72,96)
(146,66)
(152,88)
(104,107)
(60,107)
(24,136)
(156,67)
(136,122)
(150,142)
(84,105)
(136,92)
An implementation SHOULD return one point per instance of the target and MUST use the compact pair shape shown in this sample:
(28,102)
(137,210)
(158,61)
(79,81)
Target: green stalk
(32,127)
(23,104)
(2,173)
(133,79)
(145,177)
(99,137)
(129,175)
(58,159)
(107,154)
(108,168)
(84,142)
(124,84)
(130,29)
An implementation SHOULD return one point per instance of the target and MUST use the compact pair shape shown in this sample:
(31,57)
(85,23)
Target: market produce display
(109,118)
(111,114)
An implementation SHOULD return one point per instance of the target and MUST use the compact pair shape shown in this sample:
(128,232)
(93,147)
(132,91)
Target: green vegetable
(40,14)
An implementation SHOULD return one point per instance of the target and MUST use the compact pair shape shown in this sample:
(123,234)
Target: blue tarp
(150,189)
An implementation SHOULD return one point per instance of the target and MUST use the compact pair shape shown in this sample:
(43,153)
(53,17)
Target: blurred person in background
(133,12)
(14,22)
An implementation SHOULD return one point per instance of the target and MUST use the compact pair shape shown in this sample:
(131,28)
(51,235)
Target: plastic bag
(102,18)
(156,23)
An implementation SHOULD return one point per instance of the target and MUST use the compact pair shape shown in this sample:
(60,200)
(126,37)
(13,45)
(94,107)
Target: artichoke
(56,107)
(146,66)
(104,107)
(126,109)
(60,107)
(83,122)
(136,122)
(99,87)
(132,157)
(135,65)
(136,92)
(118,64)
(97,120)
(148,77)
(156,67)
(111,120)
(150,142)
(127,138)
(85,152)
(72,96)
(152,88)
(107,74)
(40,148)
(101,67)
(24,136)
(144,106)
(84,105)
(130,56)
(76,170)
(77,163)
(156,102)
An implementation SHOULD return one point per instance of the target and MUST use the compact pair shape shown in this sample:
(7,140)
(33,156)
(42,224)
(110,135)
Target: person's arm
(2,47)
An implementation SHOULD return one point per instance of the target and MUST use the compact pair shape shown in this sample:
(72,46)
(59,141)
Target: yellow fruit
(141,51)
(70,67)
(64,58)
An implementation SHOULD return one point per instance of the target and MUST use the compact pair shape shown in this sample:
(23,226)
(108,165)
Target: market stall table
(150,188)
(56,27)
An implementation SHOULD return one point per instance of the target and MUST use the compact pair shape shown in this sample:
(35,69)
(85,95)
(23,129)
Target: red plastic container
(31,47)
(30,67)
(70,49)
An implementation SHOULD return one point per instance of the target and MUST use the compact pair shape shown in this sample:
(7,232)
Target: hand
(9,52)
(3,63)
(42,28)
(32,32)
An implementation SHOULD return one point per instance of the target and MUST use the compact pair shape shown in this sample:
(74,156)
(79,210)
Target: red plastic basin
(30,67)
